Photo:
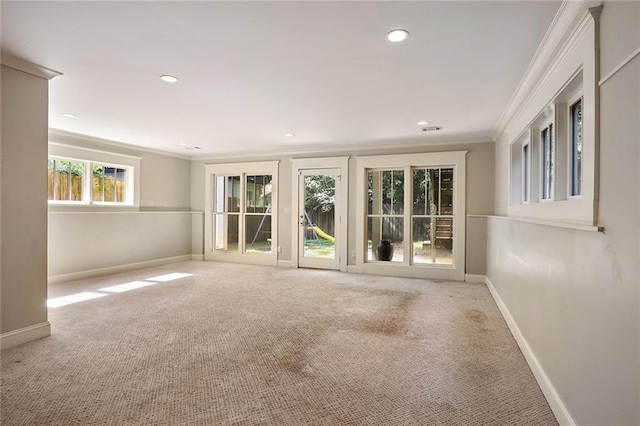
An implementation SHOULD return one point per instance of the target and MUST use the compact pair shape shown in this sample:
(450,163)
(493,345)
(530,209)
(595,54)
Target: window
(563,158)
(548,155)
(255,216)
(526,173)
(108,184)
(239,219)
(69,182)
(575,178)
(413,215)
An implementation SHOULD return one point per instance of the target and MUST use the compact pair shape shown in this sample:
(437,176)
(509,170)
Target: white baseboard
(197,257)
(54,279)
(355,269)
(285,264)
(24,335)
(471,278)
(553,397)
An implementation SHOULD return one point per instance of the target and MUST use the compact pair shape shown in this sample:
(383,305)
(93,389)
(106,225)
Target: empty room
(320,213)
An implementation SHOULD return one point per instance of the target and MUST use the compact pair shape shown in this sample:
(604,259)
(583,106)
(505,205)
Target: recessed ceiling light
(169,78)
(397,35)
(422,123)
(184,144)
(289,135)
(68,114)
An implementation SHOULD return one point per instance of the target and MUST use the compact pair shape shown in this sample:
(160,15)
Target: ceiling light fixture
(398,35)
(422,123)
(169,78)
(289,135)
(69,115)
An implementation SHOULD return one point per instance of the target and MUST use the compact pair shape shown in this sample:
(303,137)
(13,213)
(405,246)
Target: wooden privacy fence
(64,186)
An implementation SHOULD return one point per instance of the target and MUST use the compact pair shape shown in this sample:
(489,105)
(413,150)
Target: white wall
(85,241)
(23,151)
(574,294)
(480,194)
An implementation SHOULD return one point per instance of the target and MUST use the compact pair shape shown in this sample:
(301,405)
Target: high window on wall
(73,181)
(548,162)
(240,219)
(413,214)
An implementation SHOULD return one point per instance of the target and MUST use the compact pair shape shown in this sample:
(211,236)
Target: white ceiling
(252,71)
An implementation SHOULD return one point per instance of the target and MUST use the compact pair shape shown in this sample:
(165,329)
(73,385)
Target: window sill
(564,225)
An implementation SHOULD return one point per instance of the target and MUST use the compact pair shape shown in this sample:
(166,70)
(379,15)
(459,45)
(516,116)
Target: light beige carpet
(249,345)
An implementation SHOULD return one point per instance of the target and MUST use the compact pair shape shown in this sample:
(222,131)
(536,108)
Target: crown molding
(132,149)
(28,67)
(571,21)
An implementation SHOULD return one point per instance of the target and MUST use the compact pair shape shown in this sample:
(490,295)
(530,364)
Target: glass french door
(319,224)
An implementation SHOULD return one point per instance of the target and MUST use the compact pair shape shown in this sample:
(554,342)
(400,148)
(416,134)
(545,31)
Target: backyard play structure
(317,231)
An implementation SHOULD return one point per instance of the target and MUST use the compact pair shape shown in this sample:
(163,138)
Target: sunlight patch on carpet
(73,298)
(169,277)
(126,286)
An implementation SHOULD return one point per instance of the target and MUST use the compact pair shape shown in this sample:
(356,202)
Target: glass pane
(226,231)
(109,184)
(227,194)
(50,174)
(381,229)
(233,194)
(374,205)
(258,233)
(319,205)
(446,192)
(393,192)
(77,171)
(97,186)
(121,185)
(258,191)
(432,244)
(576,148)
(525,173)
(62,180)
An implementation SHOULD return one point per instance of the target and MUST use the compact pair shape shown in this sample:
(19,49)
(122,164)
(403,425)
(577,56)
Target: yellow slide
(324,235)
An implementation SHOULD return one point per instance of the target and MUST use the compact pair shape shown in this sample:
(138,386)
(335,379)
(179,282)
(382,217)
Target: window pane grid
(242,213)
(428,215)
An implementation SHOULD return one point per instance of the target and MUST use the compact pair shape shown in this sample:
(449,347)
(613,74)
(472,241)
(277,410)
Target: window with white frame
(240,218)
(243,206)
(547,161)
(564,159)
(552,161)
(413,215)
(74,181)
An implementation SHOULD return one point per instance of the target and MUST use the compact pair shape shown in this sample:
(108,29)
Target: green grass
(319,249)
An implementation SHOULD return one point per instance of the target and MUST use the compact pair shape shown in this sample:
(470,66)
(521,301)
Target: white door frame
(341,163)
